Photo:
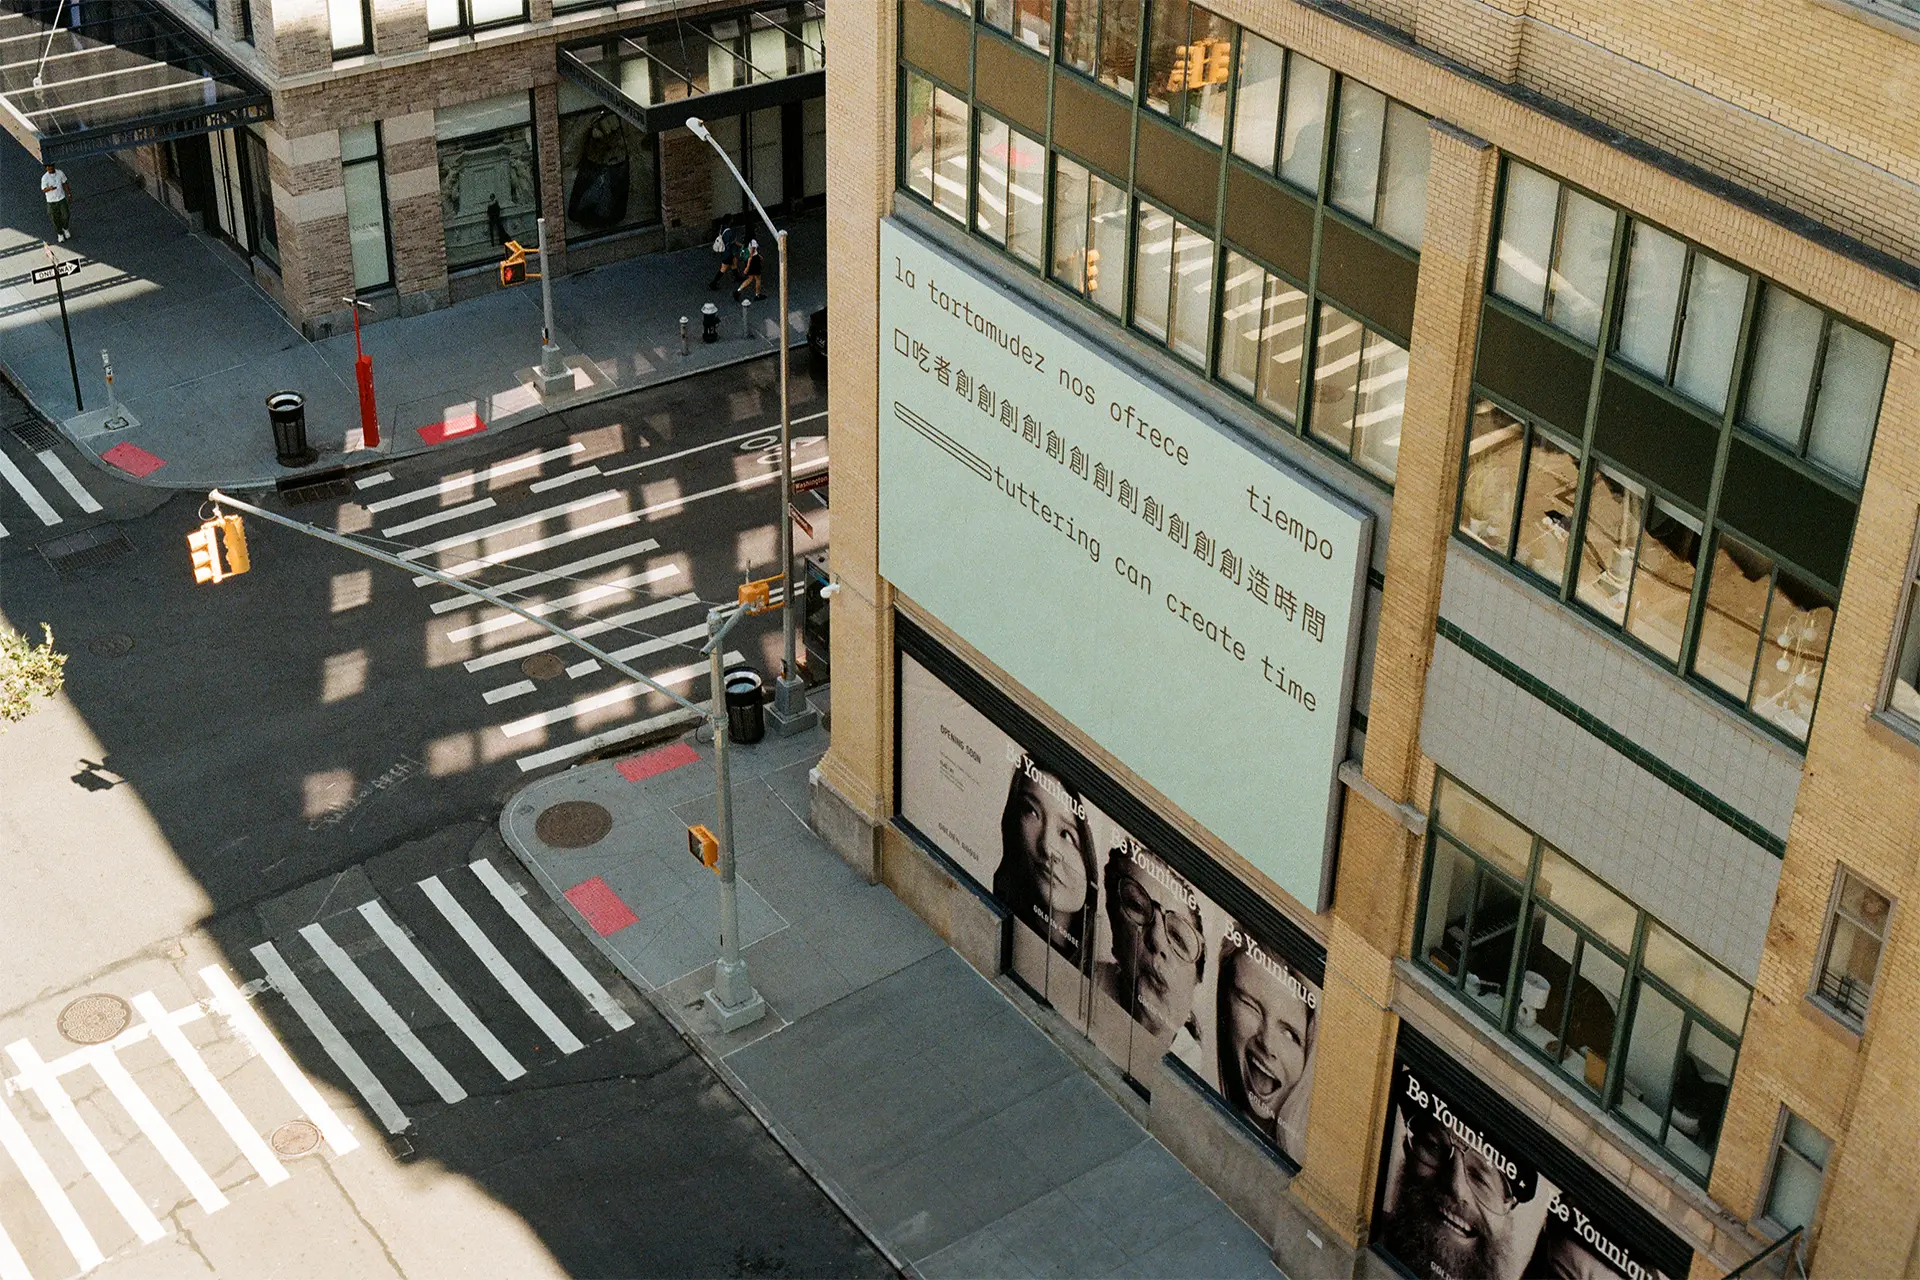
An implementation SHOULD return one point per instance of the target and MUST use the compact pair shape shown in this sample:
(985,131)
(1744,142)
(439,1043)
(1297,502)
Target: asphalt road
(287,783)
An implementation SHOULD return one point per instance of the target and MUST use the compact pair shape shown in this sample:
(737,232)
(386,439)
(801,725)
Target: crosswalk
(40,481)
(385,990)
(564,533)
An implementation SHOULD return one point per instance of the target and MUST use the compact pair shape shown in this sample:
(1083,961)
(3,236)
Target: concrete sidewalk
(960,1138)
(196,346)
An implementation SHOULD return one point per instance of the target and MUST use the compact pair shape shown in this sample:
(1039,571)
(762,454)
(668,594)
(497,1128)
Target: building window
(1815,384)
(352,27)
(488,192)
(1799,1167)
(1028,21)
(1263,336)
(1172,282)
(1903,685)
(1189,66)
(1359,392)
(607,168)
(1280,112)
(452,17)
(1380,156)
(1010,203)
(1102,39)
(1850,956)
(1617,1005)
(1555,249)
(936,141)
(1690,347)
(1520,487)
(263,228)
(1090,235)
(1763,635)
(365,180)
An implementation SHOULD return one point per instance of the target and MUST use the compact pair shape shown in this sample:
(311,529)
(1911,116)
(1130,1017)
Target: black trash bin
(710,323)
(287,411)
(746,714)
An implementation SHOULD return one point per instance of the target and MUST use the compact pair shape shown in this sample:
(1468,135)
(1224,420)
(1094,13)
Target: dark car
(817,339)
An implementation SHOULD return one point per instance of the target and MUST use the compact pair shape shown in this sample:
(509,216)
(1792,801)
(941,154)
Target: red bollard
(363,376)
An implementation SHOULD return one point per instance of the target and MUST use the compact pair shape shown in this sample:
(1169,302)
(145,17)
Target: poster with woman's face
(1115,938)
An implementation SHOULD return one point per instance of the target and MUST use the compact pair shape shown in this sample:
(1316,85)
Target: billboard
(1118,941)
(1189,604)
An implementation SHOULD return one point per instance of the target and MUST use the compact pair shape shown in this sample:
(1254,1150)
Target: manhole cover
(94,1019)
(295,1138)
(572,824)
(113,646)
(544,666)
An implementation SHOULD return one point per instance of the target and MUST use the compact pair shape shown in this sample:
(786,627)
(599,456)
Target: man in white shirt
(53,184)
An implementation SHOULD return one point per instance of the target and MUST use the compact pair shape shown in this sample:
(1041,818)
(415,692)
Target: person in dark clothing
(750,273)
(725,248)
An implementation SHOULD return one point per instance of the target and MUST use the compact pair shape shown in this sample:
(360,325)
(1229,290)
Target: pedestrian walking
(53,185)
(725,245)
(750,273)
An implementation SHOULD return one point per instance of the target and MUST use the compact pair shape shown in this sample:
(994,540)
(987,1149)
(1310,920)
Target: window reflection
(1495,444)
(1615,506)
(1663,579)
(1793,654)
(1546,510)
(1737,588)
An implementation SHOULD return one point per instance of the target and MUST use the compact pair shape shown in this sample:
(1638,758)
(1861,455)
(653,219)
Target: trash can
(746,714)
(710,322)
(287,411)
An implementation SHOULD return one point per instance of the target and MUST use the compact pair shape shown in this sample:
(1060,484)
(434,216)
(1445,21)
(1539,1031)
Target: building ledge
(1891,18)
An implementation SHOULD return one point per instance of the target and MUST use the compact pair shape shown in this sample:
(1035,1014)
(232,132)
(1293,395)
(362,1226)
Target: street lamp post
(791,714)
(551,373)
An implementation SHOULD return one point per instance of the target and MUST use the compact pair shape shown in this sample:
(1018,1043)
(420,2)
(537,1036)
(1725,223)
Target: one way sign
(71,267)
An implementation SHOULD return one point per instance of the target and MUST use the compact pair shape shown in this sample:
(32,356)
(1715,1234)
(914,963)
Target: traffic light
(1219,61)
(1093,272)
(703,846)
(219,549)
(1177,78)
(513,268)
(234,535)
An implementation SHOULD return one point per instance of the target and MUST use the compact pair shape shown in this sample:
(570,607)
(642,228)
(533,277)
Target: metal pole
(733,1001)
(553,374)
(73,366)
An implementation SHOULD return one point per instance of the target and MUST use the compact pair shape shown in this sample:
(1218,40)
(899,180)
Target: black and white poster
(1116,939)
(1458,1202)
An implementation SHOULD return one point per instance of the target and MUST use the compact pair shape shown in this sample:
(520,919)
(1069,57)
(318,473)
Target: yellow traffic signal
(1177,78)
(205,548)
(234,534)
(1219,61)
(513,269)
(702,844)
(1093,272)
(219,549)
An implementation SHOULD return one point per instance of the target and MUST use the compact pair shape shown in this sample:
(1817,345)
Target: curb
(666,1008)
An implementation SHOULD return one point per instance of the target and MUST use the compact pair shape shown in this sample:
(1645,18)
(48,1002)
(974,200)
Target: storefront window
(255,172)
(607,167)
(488,191)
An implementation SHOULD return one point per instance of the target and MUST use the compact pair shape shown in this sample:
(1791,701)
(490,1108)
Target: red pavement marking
(596,900)
(466,424)
(646,765)
(132,459)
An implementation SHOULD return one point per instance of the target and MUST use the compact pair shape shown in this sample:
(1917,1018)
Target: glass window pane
(443,15)
(1256,120)
(1696,979)
(990,201)
(1496,920)
(997,14)
(1167,72)
(1904,698)
(1546,507)
(1663,580)
(1449,890)
(1033,23)
(1615,505)
(1107,247)
(1192,294)
(1283,344)
(1483,829)
(1496,441)
(348,23)
(1079,32)
(1806,1141)
(1542,1002)
(1700,1085)
(1655,261)
(1356,149)
(366,225)
(1846,977)
(1710,335)
(1381,407)
(1069,224)
(1579,279)
(1786,341)
(1119,43)
(1653,1044)
(1242,302)
(1210,66)
(950,154)
(1403,194)
(1336,377)
(1152,270)
(1849,404)
(1793,654)
(1304,128)
(359,142)
(1596,995)
(1526,237)
(1598,908)
(1736,610)
(1795,1192)
(1026,198)
(919,136)
(485,11)
(767,51)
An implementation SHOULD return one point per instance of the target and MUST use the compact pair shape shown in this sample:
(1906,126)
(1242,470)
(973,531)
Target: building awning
(717,64)
(87,76)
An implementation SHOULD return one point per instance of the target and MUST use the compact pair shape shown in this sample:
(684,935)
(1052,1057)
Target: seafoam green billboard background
(1023,502)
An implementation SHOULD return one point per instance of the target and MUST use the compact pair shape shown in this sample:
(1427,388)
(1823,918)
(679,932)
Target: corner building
(1378,547)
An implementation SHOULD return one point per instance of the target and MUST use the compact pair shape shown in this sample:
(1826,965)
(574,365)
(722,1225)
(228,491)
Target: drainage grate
(94,1019)
(34,434)
(300,494)
(295,1138)
(572,824)
(543,666)
(89,549)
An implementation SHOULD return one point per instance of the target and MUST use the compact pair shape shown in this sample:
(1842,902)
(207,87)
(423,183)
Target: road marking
(641,650)
(554,482)
(342,966)
(600,591)
(228,1000)
(443,995)
(506,691)
(211,1091)
(24,487)
(78,1058)
(46,1087)
(599,626)
(714,444)
(378,477)
(12,1265)
(75,490)
(551,947)
(508,526)
(66,1219)
(546,575)
(468,479)
(3,531)
(516,986)
(154,1125)
(439,517)
(619,693)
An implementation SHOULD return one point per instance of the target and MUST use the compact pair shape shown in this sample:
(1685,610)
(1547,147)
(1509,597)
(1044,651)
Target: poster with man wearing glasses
(1457,1204)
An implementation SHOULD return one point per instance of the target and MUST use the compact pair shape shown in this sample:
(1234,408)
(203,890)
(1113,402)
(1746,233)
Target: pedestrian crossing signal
(703,846)
(513,268)
(219,549)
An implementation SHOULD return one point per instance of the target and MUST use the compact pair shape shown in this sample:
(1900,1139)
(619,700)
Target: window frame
(378,160)
(1823,956)
(342,53)
(1779,1148)
(1904,621)
(467,26)
(1800,452)
(1093,75)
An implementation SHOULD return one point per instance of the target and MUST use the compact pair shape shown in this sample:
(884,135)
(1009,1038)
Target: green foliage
(27,671)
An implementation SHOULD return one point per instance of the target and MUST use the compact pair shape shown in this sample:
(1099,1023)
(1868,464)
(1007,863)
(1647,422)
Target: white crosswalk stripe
(228,1000)
(47,1189)
(586,631)
(66,480)
(439,517)
(440,993)
(468,481)
(509,978)
(384,1015)
(30,495)
(211,1091)
(619,693)
(559,572)
(618,586)
(99,1165)
(551,947)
